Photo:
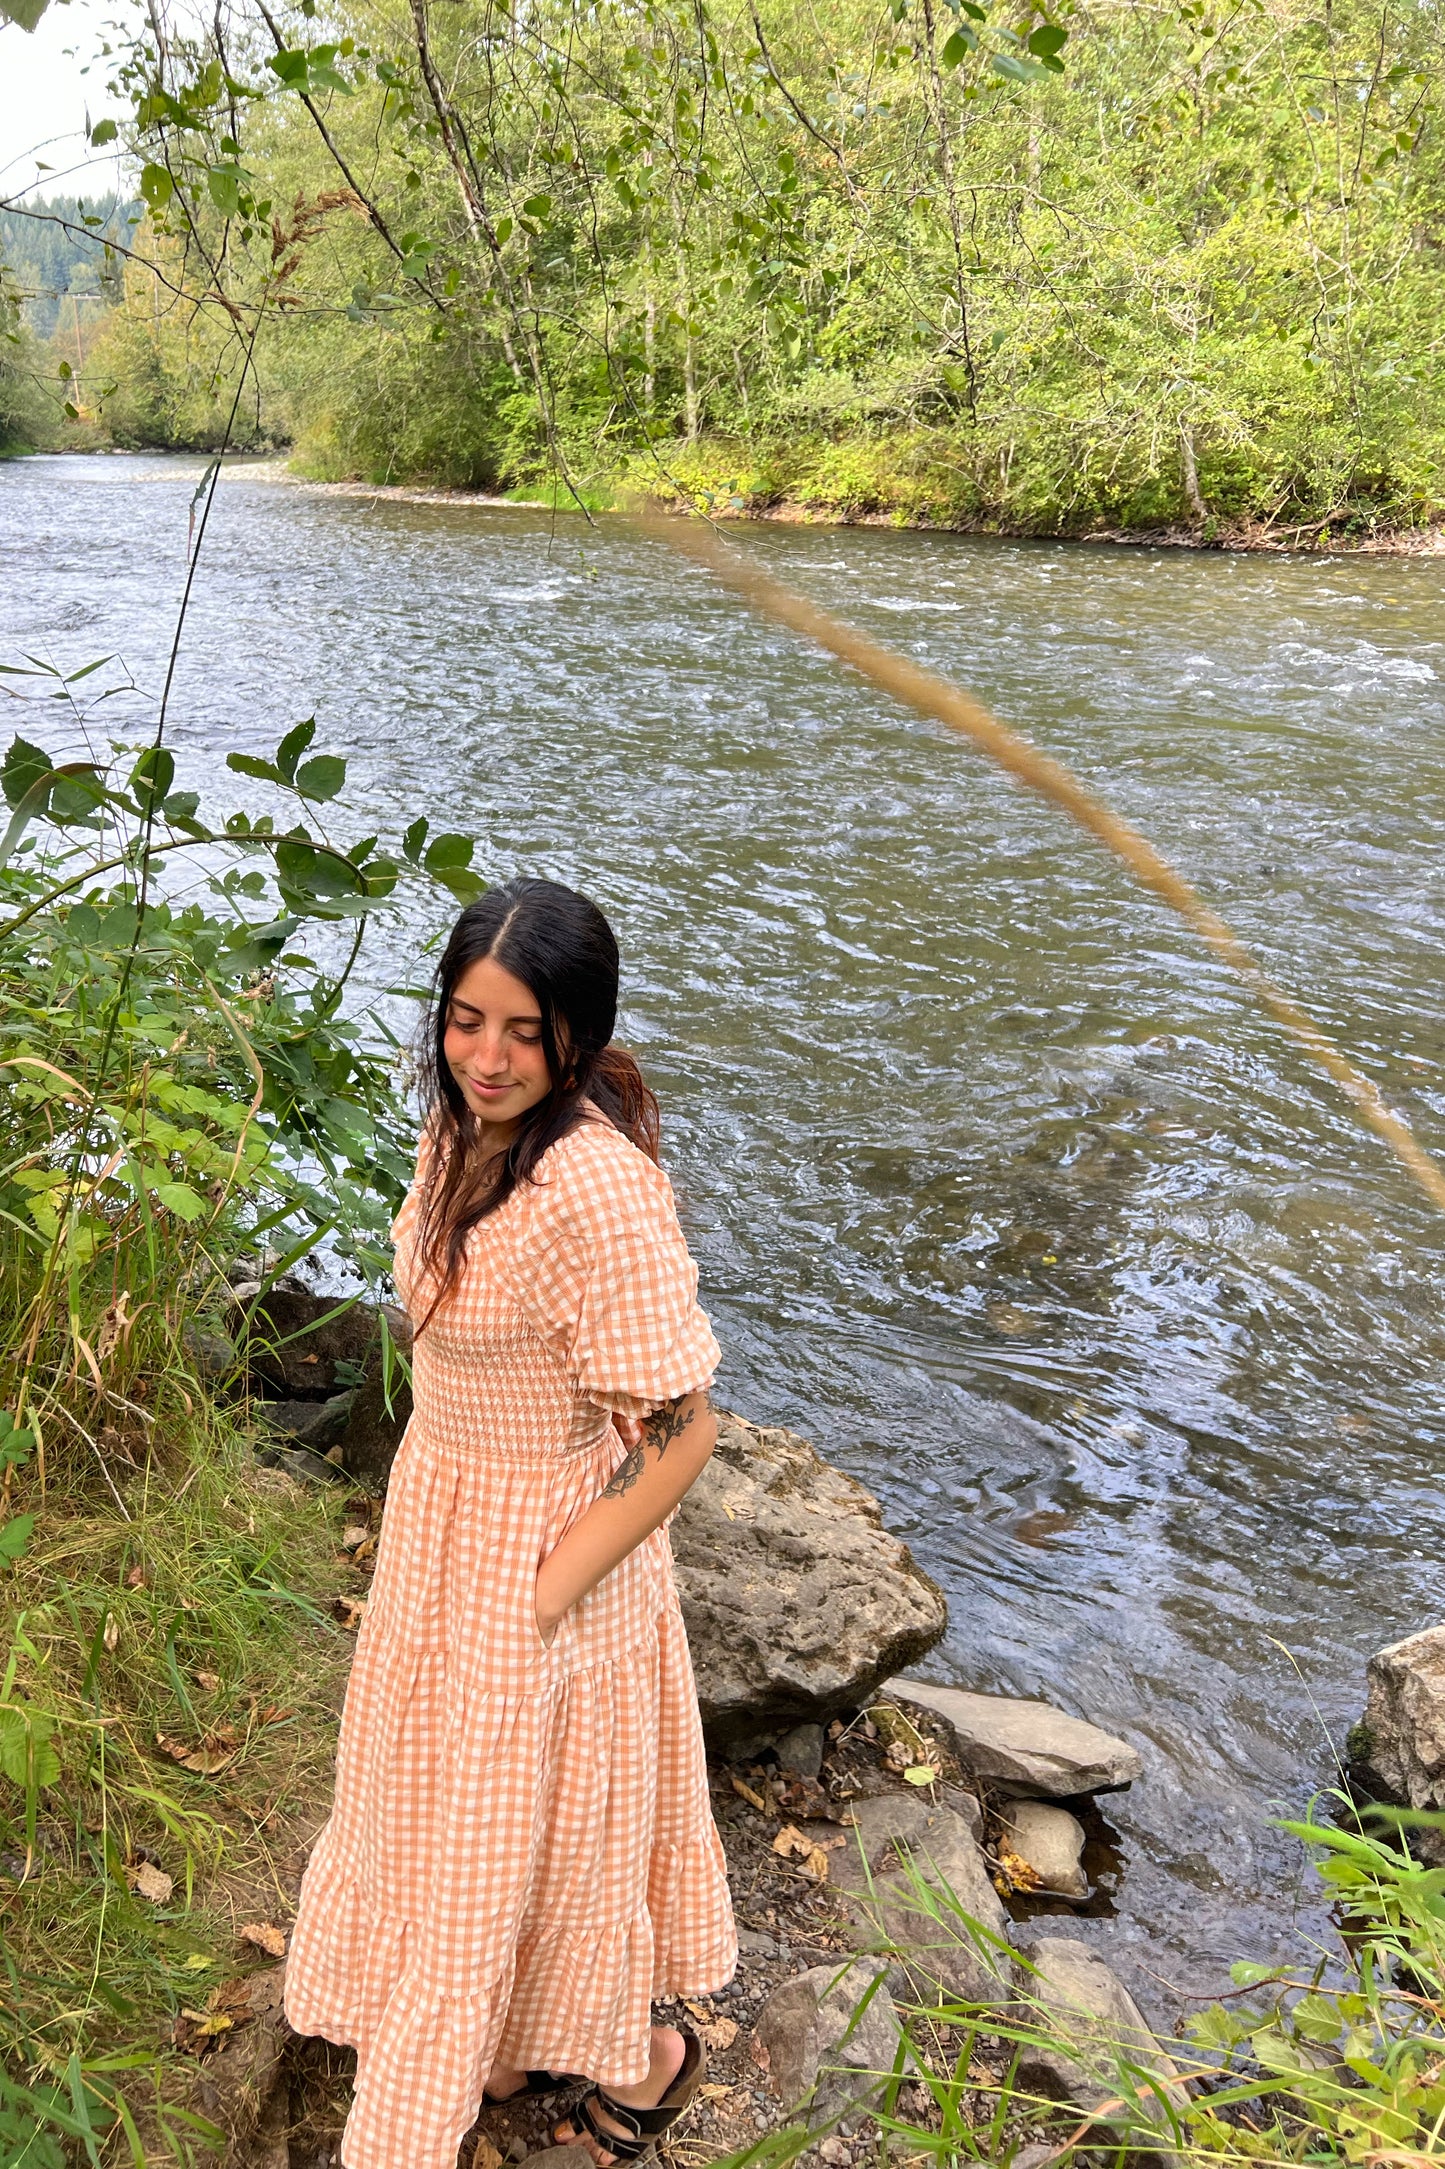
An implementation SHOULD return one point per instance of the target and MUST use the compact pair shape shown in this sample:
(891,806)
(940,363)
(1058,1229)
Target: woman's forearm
(669,1456)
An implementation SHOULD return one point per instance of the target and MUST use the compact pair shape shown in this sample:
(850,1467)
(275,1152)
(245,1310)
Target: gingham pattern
(521,1853)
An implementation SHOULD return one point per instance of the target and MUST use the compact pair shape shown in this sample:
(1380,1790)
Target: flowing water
(1001,1190)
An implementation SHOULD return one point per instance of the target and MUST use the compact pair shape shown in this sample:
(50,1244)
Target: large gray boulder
(1022,1748)
(828,2040)
(950,1933)
(1402,1738)
(1092,2045)
(797,1600)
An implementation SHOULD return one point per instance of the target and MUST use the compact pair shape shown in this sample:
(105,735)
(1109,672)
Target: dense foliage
(984,260)
(186,1078)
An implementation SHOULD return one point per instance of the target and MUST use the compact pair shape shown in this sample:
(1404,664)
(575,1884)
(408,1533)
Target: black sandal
(535,2083)
(641,2128)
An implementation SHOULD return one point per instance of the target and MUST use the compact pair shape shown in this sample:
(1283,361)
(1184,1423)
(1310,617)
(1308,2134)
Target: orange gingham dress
(521,1853)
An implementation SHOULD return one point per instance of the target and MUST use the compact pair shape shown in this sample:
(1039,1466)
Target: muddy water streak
(1002,1190)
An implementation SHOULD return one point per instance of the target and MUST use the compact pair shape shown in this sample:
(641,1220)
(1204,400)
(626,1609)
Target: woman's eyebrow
(473,1011)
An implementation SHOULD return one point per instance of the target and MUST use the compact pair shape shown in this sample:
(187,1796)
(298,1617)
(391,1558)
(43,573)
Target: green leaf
(1047,41)
(153,775)
(538,207)
(959,46)
(24,765)
(156,186)
(103,132)
(1019,70)
(292,67)
(179,1198)
(293,745)
(181,805)
(26,13)
(250,764)
(414,838)
(15,1535)
(224,186)
(447,852)
(25,1744)
(321,778)
(461,883)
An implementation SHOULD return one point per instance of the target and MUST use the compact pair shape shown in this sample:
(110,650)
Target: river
(1001,1190)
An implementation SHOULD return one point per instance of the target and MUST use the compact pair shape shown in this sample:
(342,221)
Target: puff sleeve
(608,1282)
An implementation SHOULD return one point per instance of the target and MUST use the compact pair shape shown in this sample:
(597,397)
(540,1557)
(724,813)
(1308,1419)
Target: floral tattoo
(659,1430)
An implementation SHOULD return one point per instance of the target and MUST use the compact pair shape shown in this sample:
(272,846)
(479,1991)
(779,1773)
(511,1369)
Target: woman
(521,1854)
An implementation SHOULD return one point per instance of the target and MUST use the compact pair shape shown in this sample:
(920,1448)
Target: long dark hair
(561,948)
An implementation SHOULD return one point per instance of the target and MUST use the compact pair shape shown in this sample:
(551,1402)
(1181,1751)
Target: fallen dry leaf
(266,1938)
(816,1865)
(196,2031)
(111,1636)
(356,1533)
(214,1754)
(150,1882)
(485,2155)
(350,1611)
(719,2033)
(136,1579)
(791,1843)
(271,1714)
(920,1773)
(210,1681)
(745,1791)
(1016,1872)
(711,2091)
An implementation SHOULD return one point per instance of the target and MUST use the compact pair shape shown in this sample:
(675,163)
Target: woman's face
(493,1044)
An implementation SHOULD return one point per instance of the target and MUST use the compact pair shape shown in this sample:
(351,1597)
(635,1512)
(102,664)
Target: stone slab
(1022,1748)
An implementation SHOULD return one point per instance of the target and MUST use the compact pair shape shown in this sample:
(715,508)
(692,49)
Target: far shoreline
(1239,539)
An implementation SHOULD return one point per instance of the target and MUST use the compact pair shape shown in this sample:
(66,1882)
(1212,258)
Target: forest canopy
(983,261)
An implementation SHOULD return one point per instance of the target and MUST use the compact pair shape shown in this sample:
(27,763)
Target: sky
(45,93)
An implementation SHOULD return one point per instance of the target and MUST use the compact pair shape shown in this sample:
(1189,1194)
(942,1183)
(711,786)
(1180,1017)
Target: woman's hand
(547,1612)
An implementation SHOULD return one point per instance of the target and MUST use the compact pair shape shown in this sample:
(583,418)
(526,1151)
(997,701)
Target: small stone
(1051,1842)
(1022,1747)
(517,2148)
(829,2046)
(1080,2000)
(753,1943)
(801,1750)
(972,1963)
(574,2156)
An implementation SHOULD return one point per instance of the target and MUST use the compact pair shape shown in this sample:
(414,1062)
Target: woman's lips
(488,1092)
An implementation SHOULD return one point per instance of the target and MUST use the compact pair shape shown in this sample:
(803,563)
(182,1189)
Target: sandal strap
(642,2126)
(625,2146)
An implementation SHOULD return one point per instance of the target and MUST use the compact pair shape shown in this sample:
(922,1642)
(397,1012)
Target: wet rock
(797,1600)
(828,2052)
(1402,1739)
(801,1750)
(1051,1842)
(1021,1747)
(1105,2044)
(958,1944)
